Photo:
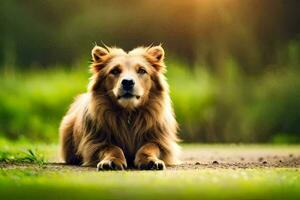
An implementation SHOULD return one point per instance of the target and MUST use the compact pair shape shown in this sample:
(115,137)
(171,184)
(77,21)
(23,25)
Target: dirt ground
(197,158)
(209,157)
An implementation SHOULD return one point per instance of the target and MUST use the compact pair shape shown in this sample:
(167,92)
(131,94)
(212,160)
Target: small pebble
(215,162)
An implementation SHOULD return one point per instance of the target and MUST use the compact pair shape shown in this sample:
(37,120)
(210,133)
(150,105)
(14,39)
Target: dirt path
(239,157)
(210,157)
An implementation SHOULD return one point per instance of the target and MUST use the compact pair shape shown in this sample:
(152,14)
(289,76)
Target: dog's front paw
(151,164)
(111,164)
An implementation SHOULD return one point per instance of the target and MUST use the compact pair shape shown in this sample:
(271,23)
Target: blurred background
(233,66)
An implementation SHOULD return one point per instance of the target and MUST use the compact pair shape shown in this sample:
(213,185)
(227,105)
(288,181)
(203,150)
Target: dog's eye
(115,71)
(142,71)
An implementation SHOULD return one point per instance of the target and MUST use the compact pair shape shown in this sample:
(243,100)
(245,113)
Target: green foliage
(234,107)
(34,102)
(225,107)
(276,107)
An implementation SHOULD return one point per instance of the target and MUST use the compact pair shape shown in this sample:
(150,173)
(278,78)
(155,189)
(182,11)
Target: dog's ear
(100,56)
(156,55)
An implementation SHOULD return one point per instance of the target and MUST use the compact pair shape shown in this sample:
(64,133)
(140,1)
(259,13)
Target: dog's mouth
(128,95)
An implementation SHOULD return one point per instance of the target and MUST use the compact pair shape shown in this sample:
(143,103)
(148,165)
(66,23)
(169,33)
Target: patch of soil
(231,158)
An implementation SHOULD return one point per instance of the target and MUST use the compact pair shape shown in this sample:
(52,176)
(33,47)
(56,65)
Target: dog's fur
(111,132)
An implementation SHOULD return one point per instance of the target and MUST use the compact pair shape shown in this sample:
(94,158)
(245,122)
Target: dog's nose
(127,84)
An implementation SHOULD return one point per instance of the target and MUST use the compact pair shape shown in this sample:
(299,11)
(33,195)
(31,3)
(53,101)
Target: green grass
(192,184)
(25,157)
(43,182)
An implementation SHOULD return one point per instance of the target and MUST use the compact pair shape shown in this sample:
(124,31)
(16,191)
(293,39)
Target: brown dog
(126,117)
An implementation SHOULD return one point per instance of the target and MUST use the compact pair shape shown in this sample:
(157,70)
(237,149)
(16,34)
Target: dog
(126,119)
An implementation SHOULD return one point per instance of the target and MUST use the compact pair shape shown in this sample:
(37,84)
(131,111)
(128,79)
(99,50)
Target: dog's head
(127,78)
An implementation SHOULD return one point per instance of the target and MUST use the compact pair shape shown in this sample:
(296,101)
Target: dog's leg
(112,158)
(147,158)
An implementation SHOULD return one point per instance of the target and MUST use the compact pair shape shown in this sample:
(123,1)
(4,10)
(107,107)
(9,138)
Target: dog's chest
(128,138)
(126,131)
